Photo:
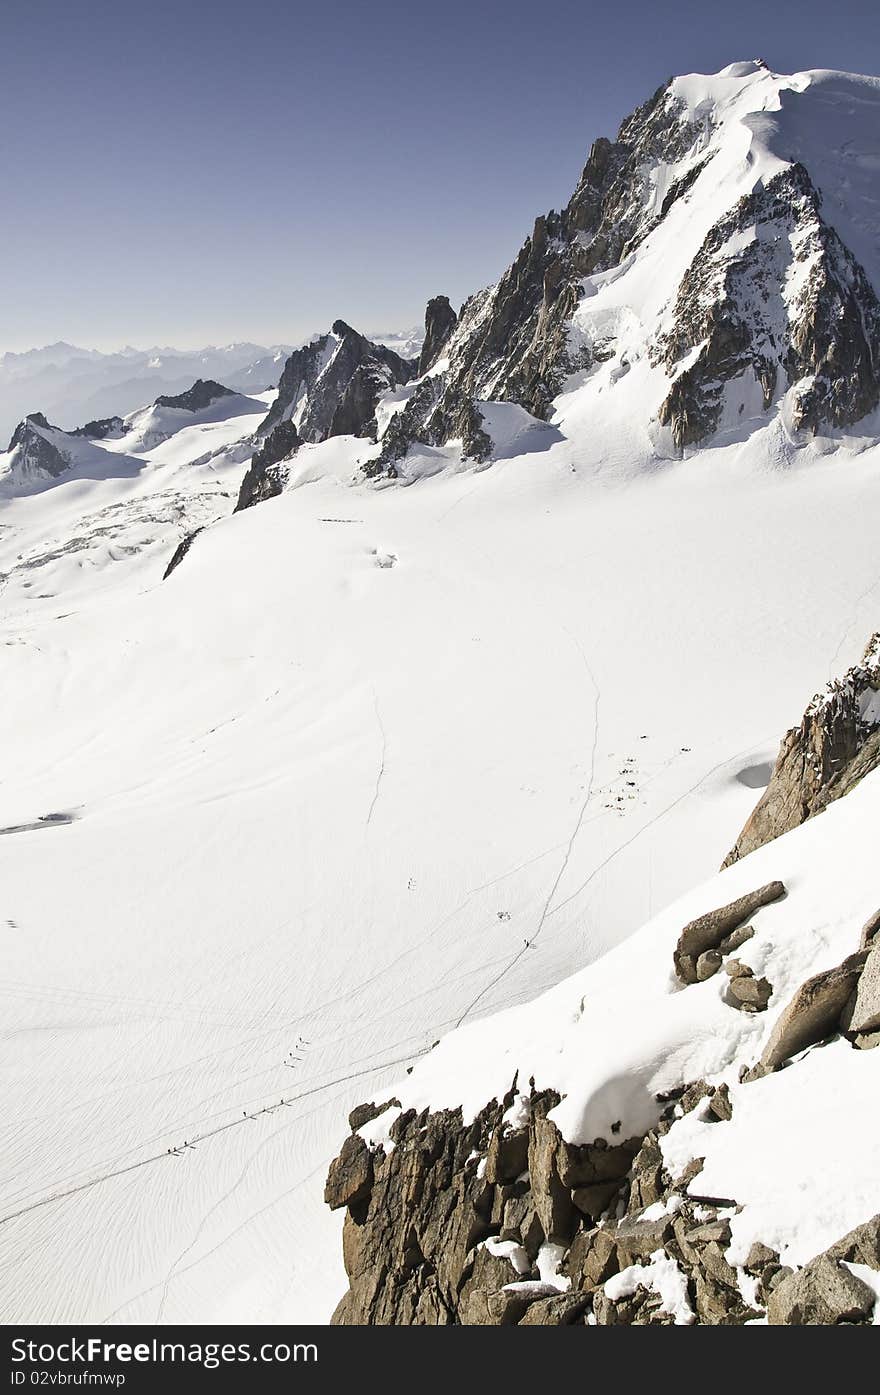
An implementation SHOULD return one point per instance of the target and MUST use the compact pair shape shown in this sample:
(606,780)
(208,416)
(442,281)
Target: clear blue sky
(200,172)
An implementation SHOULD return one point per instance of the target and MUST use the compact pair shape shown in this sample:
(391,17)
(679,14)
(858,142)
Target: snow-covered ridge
(117,491)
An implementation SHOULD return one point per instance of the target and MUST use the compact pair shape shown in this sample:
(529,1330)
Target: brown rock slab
(508,1154)
(813,1013)
(866,1010)
(870,931)
(708,931)
(351,1174)
(593,1200)
(551,1197)
(592,1258)
(560,1310)
(825,1292)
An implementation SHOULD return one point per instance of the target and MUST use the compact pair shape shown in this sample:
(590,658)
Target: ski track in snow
(381,770)
(527,944)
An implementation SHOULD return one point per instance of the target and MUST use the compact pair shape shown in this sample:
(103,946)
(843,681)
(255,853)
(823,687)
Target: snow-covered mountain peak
(748,193)
(36,453)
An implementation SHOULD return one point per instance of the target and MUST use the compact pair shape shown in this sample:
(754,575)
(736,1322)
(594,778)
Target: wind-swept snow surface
(321,805)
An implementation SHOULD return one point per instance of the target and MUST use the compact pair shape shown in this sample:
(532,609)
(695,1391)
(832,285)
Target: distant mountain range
(70,384)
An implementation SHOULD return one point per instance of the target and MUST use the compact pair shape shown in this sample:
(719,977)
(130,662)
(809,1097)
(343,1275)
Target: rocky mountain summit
(34,451)
(771,300)
(710,275)
(195,399)
(101,428)
(440,321)
(835,746)
(331,387)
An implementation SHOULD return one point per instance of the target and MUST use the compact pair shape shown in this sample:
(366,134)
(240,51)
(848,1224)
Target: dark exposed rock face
(330,387)
(202,393)
(266,475)
(443,415)
(440,321)
(98,430)
(333,385)
(773,297)
(738,310)
(835,746)
(35,457)
(511,342)
(416,1217)
(180,552)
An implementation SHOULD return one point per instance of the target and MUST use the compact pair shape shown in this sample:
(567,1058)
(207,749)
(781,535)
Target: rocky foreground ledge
(497,1219)
(501,1221)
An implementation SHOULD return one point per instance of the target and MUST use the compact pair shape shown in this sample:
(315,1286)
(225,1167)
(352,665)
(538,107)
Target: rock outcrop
(180,551)
(496,1223)
(501,1220)
(440,321)
(827,1291)
(202,393)
(35,456)
(836,744)
(817,1010)
(101,428)
(737,311)
(330,387)
(266,475)
(718,933)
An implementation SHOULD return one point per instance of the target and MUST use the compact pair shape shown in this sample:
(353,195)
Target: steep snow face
(715,272)
(752,251)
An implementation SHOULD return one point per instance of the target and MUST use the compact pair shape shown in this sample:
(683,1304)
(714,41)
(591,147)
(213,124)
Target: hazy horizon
(225,176)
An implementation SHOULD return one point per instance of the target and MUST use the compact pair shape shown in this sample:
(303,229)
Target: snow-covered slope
(372,761)
(74,506)
(321,785)
(147,428)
